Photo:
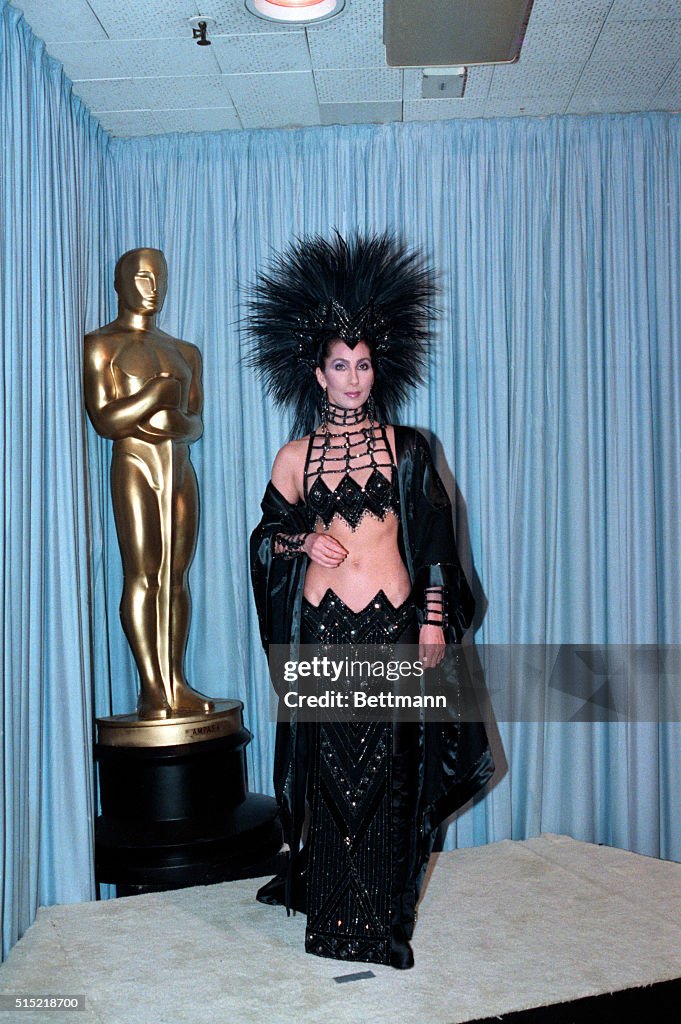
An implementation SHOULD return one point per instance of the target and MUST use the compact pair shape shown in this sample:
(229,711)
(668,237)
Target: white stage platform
(501,928)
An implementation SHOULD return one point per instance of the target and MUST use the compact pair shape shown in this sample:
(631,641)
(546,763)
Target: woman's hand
(325,550)
(431,646)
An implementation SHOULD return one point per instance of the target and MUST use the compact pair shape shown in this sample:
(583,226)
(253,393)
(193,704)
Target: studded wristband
(289,545)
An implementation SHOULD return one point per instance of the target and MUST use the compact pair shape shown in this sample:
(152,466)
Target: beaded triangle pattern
(379,622)
(352,502)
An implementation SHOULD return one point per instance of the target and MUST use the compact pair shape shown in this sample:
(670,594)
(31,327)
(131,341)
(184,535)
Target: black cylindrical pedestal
(180,814)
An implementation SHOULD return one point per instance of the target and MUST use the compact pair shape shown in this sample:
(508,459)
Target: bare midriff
(373,563)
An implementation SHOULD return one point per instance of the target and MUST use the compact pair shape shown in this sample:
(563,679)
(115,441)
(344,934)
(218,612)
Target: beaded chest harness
(347,453)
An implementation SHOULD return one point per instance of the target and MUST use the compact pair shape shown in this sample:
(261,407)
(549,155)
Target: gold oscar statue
(143,391)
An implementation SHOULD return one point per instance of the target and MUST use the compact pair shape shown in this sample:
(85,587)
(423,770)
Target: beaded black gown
(375,790)
(358,843)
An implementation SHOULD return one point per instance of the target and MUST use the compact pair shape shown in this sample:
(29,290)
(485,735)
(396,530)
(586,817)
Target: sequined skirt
(362,794)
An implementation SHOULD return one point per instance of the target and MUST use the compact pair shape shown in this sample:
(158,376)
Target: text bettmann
(360,699)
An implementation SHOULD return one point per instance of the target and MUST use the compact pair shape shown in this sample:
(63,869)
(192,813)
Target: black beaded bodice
(351,501)
(351,453)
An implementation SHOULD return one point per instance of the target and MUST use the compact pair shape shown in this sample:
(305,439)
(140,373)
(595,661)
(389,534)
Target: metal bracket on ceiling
(199,27)
(443,83)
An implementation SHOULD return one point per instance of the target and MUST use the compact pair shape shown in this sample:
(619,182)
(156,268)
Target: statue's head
(141,280)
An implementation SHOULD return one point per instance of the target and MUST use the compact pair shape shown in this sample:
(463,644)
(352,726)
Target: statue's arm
(112,416)
(180,424)
(195,402)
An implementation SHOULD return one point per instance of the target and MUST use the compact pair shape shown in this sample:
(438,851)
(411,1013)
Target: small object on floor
(355,976)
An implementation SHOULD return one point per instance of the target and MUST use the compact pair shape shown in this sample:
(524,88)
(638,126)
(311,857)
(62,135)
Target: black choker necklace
(341,417)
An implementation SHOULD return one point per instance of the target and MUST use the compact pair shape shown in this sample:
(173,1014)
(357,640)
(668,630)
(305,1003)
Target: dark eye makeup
(360,366)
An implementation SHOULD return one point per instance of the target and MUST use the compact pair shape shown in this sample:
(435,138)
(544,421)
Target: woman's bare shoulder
(289,466)
(293,453)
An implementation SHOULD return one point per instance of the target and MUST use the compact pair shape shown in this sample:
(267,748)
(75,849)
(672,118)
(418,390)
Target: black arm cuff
(459,602)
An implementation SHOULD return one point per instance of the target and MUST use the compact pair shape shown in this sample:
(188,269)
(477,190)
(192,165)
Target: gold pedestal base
(132,731)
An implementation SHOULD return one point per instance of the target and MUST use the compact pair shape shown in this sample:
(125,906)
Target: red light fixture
(295,11)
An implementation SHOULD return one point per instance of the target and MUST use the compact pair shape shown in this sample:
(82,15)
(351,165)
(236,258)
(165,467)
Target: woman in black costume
(356,546)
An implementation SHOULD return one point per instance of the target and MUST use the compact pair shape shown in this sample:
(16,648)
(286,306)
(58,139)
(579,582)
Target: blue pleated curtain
(52,234)
(553,402)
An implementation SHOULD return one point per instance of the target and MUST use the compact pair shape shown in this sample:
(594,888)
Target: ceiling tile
(125,123)
(262,53)
(617,104)
(667,102)
(533,78)
(359,85)
(575,11)
(441,110)
(412,83)
(360,113)
(352,40)
(59,23)
(151,93)
(669,95)
(145,19)
(569,39)
(636,10)
(639,41)
(477,83)
(610,79)
(530,106)
(137,58)
(200,119)
(287,100)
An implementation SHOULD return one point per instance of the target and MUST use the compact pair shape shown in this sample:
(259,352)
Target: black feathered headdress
(369,288)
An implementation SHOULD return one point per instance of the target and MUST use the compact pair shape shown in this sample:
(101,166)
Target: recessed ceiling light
(295,11)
